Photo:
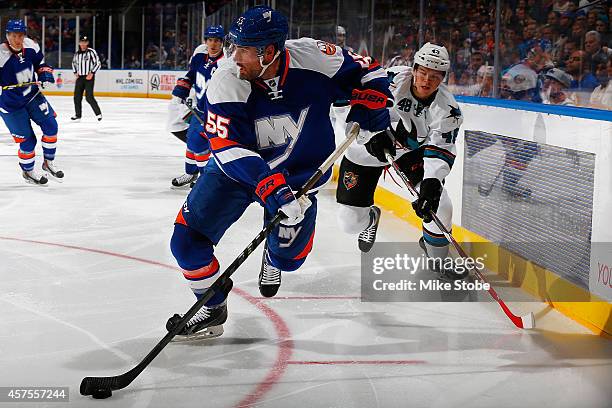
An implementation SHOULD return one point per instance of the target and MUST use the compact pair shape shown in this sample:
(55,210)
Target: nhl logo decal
(350,179)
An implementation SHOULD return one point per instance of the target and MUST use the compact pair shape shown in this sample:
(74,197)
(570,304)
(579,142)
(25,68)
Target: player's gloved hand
(182,88)
(377,145)
(374,120)
(45,74)
(276,195)
(429,199)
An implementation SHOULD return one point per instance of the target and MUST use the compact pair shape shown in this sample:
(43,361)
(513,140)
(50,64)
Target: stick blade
(528,321)
(91,384)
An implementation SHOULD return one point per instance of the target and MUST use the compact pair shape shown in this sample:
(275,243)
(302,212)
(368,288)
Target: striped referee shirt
(85,62)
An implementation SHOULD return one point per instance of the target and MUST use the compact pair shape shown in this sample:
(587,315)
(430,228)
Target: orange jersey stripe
(217,143)
(23,155)
(203,272)
(307,249)
(180,219)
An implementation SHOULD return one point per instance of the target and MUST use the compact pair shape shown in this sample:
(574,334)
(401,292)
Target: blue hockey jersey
(201,68)
(17,68)
(283,123)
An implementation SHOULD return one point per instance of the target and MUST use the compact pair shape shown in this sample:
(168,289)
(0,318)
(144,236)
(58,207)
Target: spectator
(583,80)
(592,46)
(601,98)
(565,24)
(404,57)
(553,19)
(476,61)
(578,32)
(561,6)
(519,83)
(601,26)
(591,19)
(555,89)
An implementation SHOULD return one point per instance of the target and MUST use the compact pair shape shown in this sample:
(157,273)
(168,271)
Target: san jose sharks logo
(350,179)
(454,112)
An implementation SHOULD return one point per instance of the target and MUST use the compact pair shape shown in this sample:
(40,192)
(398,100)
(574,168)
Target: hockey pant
(355,193)
(213,205)
(197,152)
(18,122)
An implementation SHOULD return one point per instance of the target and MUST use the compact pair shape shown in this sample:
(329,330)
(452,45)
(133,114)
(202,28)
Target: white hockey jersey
(431,125)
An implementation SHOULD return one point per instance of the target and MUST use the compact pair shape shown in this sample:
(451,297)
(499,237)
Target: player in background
(179,117)
(22,61)
(341,38)
(203,64)
(425,123)
(269,130)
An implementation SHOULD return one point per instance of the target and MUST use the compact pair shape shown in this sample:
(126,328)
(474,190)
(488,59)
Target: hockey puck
(102,393)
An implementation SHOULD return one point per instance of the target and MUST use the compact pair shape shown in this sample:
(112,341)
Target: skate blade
(52,177)
(184,187)
(208,333)
(37,184)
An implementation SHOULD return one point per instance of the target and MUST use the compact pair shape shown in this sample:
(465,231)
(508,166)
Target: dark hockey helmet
(215,31)
(258,27)
(15,26)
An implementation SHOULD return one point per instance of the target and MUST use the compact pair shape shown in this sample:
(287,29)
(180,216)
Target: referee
(85,63)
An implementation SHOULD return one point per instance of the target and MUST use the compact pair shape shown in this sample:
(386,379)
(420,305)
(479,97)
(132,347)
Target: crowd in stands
(551,51)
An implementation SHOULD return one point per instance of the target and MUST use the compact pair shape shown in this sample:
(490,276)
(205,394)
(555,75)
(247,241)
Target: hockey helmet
(433,56)
(15,26)
(258,27)
(215,31)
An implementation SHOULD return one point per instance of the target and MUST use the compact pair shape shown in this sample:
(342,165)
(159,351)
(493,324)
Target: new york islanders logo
(326,48)
(350,179)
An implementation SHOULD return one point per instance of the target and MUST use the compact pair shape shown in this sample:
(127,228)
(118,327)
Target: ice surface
(87,282)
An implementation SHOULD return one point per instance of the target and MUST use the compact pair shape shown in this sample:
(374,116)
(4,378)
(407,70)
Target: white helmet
(433,56)
(340,30)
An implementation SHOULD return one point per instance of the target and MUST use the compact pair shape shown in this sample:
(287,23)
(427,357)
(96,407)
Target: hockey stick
(8,87)
(100,387)
(523,322)
(486,191)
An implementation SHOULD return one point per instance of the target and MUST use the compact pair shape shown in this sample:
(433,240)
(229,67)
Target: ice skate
(368,236)
(269,277)
(446,274)
(53,171)
(34,177)
(184,181)
(207,323)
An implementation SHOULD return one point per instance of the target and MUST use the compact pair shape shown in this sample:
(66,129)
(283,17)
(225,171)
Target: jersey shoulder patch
(225,86)
(201,49)
(315,55)
(198,53)
(5,54)
(30,43)
(400,79)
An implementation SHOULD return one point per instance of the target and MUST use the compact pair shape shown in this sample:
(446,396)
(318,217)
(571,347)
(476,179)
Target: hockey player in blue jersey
(269,129)
(203,64)
(21,62)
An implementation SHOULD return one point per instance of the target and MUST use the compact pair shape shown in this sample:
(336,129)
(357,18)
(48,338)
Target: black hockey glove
(429,199)
(377,145)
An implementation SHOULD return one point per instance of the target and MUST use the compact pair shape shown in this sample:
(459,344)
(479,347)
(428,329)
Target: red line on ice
(308,298)
(357,362)
(285,344)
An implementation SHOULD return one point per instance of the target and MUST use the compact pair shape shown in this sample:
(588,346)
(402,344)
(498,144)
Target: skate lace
(185,178)
(270,275)
(201,315)
(50,167)
(368,233)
